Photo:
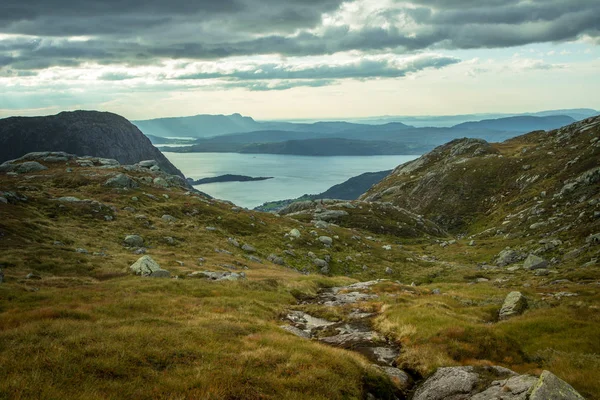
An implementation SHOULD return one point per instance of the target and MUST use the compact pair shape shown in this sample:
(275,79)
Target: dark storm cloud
(144,32)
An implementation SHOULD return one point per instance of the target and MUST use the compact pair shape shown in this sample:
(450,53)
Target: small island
(228,178)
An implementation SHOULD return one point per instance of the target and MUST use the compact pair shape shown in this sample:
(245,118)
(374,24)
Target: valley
(226,298)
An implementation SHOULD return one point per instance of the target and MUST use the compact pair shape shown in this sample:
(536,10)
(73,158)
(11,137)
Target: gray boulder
(28,167)
(146,266)
(168,218)
(147,163)
(275,259)
(121,181)
(160,273)
(248,248)
(399,378)
(551,387)
(134,241)
(326,240)
(506,257)
(295,233)
(158,181)
(448,383)
(514,304)
(535,262)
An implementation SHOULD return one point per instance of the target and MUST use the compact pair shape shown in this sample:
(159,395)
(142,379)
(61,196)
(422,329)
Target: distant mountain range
(344,138)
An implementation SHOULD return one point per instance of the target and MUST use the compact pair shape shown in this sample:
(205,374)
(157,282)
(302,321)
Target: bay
(293,176)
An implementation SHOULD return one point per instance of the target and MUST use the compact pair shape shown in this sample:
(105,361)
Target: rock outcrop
(84,133)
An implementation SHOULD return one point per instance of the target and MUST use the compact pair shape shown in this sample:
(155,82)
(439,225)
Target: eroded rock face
(514,304)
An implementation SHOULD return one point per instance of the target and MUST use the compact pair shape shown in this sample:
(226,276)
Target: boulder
(145,266)
(134,241)
(275,259)
(506,257)
(551,387)
(514,304)
(168,218)
(295,233)
(248,248)
(28,167)
(534,262)
(147,163)
(158,181)
(326,240)
(121,181)
(448,383)
(160,273)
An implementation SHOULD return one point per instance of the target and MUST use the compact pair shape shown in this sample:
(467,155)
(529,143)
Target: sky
(294,59)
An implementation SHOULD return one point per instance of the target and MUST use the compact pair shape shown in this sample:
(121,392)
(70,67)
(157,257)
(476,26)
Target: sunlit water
(293,176)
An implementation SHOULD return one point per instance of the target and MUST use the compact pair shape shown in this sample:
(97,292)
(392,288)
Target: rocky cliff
(85,133)
(542,183)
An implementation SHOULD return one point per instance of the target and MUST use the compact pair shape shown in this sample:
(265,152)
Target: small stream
(355,333)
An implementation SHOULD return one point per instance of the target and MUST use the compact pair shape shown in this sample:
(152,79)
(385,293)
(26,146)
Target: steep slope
(542,183)
(85,133)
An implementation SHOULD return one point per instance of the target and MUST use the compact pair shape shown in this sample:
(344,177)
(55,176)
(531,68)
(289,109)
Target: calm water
(293,175)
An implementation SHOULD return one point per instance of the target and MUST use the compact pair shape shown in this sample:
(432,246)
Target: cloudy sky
(298,58)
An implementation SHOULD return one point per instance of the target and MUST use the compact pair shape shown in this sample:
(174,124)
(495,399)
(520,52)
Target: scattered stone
(158,181)
(275,259)
(514,304)
(146,266)
(386,247)
(534,262)
(141,250)
(33,276)
(541,272)
(506,257)
(472,243)
(290,253)
(218,275)
(121,181)
(250,249)
(168,218)
(436,291)
(81,251)
(326,240)
(254,259)
(513,388)
(69,199)
(147,163)
(169,240)
(233,242)
(295,233)
(134,241)
(389,271)
(321,225)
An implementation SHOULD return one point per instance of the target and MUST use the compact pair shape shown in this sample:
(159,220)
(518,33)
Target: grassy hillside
(82,326)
